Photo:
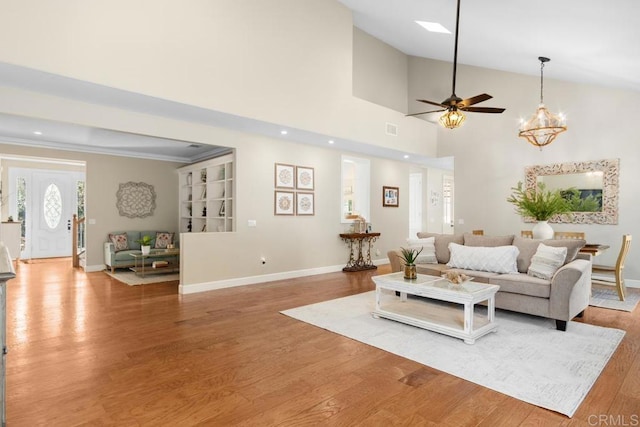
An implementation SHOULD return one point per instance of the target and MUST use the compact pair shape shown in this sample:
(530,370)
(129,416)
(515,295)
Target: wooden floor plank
(85,349)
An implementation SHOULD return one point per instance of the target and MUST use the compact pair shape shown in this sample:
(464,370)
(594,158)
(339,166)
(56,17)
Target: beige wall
(380,72)
(287,62)
(103,176)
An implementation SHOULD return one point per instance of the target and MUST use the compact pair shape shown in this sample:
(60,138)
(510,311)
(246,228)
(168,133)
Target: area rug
(131,279)
(526,358)
(608,298)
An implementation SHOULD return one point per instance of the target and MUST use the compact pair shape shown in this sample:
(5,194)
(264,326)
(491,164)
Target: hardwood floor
(85,349)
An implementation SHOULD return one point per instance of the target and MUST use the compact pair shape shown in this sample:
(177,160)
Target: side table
(360,245)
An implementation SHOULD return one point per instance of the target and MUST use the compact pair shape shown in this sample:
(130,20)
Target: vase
(542,230)
(145,249)
(410,271)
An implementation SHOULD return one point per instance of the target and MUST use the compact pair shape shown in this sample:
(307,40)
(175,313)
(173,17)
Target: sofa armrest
(109,254)
(394,260)
(570,289)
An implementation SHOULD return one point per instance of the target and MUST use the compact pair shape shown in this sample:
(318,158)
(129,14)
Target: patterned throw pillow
(546,261)
(499,259)
(119,241)
(163,239)
(428,254)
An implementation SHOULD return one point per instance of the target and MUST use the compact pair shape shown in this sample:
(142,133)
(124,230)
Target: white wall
(490,157)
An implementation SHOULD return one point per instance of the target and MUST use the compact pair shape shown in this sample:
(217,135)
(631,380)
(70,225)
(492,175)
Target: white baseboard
(252,280)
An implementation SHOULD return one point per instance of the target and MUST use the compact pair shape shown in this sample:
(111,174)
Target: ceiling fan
(455,105)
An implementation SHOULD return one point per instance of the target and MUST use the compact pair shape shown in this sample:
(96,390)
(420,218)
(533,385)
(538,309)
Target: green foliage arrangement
(145,240)
(538,203)
(410,255)
(590,203)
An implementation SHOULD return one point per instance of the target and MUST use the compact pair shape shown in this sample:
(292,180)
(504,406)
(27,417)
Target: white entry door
(52,207)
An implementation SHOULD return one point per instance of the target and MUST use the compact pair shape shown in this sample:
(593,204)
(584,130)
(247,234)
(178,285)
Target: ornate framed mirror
(595,182)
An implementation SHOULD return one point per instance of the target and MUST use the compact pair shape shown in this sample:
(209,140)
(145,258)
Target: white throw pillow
(498,259)
(428,254)
(546,261)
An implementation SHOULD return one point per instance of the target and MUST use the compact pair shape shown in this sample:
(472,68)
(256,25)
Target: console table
(360,245)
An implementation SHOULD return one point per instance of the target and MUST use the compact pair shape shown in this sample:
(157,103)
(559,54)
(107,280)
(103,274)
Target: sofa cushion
(120,241)
(487,241)
(519,283)
(546,261)
(428,254)
(163,238)
(499,259)
(528,248)
(441,242)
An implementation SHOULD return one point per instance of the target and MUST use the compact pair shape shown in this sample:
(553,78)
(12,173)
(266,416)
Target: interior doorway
(447,204)
(415,204)
(44,195)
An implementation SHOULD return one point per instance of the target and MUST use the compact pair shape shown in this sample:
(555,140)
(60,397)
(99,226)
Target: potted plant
(145,244)
(409,257)
(541,204)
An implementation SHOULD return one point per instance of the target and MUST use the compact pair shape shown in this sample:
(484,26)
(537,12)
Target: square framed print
(285,176)
(304,178)
(305,203)
(390,196)
(284,203)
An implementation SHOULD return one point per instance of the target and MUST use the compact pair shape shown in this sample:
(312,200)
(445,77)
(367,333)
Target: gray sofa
(122,258)
(562,298)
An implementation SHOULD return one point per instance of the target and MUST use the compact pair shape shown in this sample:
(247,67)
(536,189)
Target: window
(52,203)
(355,188)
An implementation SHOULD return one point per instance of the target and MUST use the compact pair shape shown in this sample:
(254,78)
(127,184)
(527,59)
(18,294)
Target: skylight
(433,27)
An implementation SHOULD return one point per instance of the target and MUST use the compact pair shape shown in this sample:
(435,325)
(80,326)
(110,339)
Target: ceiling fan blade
(483,109)
(474,100)
(424,112)
(437,104)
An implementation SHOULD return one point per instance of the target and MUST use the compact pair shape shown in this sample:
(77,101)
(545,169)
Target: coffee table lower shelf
(447,319)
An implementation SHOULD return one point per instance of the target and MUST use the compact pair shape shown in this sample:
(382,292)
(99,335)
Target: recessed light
(433,27)
(37,132)
(331,141)
(406,156)
(283,132)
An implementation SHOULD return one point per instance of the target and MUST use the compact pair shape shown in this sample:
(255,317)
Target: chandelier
(543,127)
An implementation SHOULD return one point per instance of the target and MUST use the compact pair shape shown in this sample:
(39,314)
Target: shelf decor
(305,203)
(304,178)
(136,200)
(283,203)
(284,176)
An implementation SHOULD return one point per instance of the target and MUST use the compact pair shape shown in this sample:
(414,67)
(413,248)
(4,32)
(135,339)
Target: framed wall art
(285,176)
(284,203)
(390,196)
(135,199)
(304,178)
(305,203)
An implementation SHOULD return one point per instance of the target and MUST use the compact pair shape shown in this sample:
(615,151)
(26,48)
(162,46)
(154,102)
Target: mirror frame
(610,177)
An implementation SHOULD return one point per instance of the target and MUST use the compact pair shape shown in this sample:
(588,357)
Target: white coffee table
(429,312)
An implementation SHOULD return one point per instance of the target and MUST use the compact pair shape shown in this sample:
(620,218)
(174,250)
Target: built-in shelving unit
(206,196)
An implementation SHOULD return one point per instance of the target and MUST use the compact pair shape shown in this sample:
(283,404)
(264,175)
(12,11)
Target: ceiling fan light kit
(543,127)
(454,106)
(452,119)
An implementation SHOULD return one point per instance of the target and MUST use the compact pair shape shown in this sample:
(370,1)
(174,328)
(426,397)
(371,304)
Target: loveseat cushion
(487,241)
(441,242)
(520,283)
(427,250)
(499,259)
(163,239)
(528,248)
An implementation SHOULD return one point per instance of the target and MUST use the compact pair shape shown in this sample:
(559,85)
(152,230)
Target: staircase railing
(77,245)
